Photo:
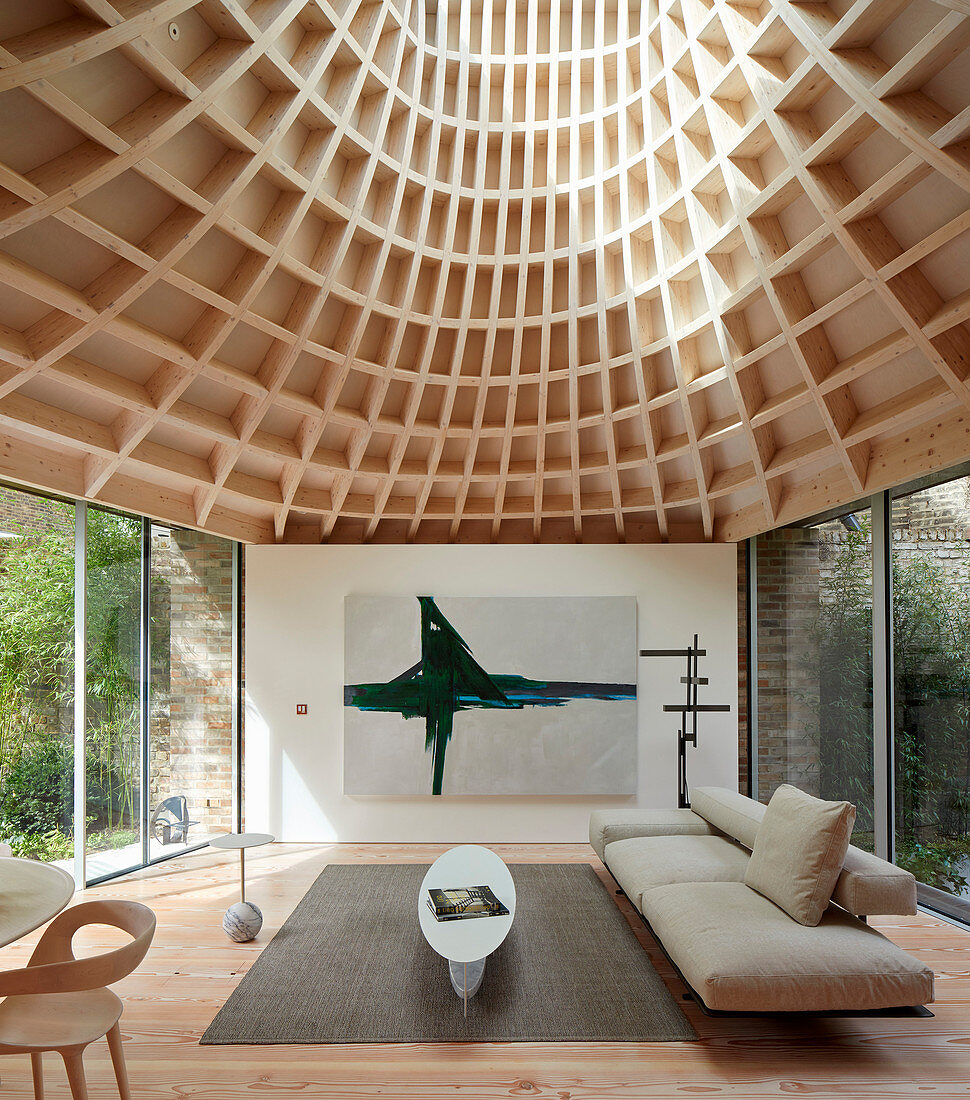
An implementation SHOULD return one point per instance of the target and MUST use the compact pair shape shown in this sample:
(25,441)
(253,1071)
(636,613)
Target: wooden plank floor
(192,968)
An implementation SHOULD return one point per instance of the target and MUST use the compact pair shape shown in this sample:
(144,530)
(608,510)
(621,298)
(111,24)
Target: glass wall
(113,706)
(36,676)
(814,653)
(931,681)
(843,695)
(159,704)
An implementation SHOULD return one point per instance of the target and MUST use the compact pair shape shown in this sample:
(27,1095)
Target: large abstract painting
(490,695)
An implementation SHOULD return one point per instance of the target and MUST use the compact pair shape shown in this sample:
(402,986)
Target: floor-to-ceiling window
(931,697)
(113,744)
(154,699)
(814,654)
(860,635)
(36,676)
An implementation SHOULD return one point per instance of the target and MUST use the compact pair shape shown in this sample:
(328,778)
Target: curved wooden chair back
(53,967)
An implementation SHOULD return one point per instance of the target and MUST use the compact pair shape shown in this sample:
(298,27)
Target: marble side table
(243,920)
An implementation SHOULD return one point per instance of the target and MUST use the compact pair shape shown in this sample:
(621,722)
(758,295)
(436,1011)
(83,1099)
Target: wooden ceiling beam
(447,274)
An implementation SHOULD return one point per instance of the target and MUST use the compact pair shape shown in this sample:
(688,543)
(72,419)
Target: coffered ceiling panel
(299,270)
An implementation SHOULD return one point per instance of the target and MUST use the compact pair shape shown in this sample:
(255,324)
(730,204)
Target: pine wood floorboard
(192,968)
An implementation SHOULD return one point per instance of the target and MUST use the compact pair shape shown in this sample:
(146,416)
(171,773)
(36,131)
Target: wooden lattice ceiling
(474,270)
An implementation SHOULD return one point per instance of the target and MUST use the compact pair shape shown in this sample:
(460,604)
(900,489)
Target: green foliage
(937,863)
(36,636)
(36,680)
(844,632)
(111,839)
(931,640)
(46,847)
(37,796)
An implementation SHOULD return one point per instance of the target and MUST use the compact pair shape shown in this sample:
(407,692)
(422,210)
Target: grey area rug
(350,965)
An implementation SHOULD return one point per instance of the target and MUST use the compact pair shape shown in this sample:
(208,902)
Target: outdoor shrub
(937,863)
(37,798)
(46,848)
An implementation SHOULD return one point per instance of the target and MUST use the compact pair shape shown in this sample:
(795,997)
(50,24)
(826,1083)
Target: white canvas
(582,746)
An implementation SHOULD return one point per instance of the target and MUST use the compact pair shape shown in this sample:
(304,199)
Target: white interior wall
(294,654)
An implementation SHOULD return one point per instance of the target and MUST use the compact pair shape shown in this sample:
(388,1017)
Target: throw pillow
(798,852)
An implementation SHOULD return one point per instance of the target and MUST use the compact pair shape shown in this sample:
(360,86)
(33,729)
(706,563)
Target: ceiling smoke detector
(173,31)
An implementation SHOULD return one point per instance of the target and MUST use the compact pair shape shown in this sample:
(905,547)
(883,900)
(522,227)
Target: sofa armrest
(869,886)
(605,826)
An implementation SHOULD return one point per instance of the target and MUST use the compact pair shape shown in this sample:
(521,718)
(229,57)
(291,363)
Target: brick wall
(26,514)
(936,524)
(191,719)
(788,664)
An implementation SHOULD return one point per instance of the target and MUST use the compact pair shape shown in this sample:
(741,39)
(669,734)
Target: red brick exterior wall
(26,514)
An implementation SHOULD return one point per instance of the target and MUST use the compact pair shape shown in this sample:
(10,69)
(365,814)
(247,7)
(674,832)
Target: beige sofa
(739,952)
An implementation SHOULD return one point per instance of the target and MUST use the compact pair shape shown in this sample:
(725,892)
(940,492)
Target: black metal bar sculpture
(691,707)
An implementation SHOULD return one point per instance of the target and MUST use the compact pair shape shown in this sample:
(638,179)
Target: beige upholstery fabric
(798,852)
(606,826)
(742,953)
(870,886)
(647,862)
(867,885)
(728,811)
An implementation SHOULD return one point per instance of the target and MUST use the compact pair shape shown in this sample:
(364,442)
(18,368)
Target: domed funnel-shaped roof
(483,271)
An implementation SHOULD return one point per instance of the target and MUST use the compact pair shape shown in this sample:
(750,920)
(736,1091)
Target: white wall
(294,654)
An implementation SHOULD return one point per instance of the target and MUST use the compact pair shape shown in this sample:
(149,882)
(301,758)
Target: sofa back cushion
(867,885)
(729,811)
(798,852)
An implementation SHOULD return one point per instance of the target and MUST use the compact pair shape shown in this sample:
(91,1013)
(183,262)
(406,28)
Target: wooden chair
(58,1002)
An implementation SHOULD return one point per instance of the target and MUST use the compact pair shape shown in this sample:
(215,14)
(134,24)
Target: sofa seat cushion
(606,826)
(647,862)
(742,953)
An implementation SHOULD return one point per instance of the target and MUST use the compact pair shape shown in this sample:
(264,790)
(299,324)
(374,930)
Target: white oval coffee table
(466,944)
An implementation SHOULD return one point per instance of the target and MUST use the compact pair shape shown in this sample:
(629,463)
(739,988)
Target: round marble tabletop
(241,840)
(30,894)
(465,941)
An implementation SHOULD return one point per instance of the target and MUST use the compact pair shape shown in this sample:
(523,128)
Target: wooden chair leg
(75,1073)
(118,1061)
(37,1072)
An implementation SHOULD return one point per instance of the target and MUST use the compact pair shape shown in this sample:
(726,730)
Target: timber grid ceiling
(599,270)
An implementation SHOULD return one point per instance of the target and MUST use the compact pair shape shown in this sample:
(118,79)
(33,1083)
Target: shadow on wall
(277,774)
